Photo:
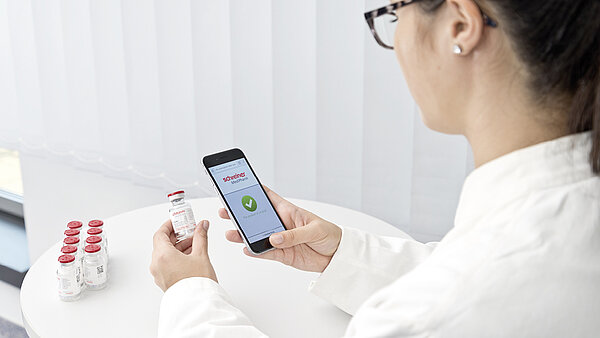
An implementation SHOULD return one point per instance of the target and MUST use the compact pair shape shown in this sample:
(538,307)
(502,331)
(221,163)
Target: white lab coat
(523,260)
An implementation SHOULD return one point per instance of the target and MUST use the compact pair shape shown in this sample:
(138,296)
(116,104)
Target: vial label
(191,222)
(95,274)
(183,222)
(80,272)
(68,285)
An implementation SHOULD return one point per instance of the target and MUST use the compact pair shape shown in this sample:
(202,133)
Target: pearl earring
(456,49)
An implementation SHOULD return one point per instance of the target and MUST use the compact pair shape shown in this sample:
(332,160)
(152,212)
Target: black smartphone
(244,198)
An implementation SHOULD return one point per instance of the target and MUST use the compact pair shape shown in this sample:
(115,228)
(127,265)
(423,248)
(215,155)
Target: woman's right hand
(308,243)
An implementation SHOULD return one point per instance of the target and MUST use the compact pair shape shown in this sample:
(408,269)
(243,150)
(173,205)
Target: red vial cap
(95,223)
(94,231)
(92,248)
(66,258)
(176,193)
(74,225)
(93,239)
(68,249)
(72,232)
(71,240)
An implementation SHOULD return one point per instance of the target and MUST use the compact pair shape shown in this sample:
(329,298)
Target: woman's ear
(466,29)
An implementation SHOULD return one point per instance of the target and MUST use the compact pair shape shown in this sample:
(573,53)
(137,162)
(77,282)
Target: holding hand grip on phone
(309,243)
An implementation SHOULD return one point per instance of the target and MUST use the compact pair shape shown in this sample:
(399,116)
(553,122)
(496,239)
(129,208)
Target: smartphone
(243,196)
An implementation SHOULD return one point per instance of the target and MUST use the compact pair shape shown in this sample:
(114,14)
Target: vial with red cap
(94,267)
(181,215)
(75,251)
(69,288)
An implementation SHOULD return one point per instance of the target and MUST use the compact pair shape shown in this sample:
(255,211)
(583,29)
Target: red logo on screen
(236,176)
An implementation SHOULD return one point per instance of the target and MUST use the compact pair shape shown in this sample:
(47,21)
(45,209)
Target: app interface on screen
(246,199)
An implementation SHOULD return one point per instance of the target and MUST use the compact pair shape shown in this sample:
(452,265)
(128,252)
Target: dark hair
(559,43)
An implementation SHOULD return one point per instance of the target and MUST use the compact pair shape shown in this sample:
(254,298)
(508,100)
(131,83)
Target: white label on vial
(95,274)
(68,285)
(80,272)
(183,221)
(190,220)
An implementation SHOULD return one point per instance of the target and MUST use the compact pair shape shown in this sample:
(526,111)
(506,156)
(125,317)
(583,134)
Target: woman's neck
(507,120)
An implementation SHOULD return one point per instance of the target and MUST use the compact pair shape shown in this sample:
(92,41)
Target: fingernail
(205,225)
(276,239)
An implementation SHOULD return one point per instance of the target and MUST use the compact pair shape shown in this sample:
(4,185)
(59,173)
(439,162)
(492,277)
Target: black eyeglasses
(383,20)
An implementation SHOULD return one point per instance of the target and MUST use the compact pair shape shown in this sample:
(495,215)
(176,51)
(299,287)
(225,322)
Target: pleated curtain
(141,90)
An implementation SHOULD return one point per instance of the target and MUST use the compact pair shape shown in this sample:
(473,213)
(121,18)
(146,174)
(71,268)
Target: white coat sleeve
(199,307)
(363,264)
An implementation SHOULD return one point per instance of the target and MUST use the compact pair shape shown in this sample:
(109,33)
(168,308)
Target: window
(14,256)
(11,183)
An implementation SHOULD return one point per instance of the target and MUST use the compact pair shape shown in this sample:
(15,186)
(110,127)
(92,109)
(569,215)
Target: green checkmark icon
(249,203)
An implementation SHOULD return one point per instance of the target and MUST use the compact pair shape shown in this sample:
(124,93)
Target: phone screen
(246,199)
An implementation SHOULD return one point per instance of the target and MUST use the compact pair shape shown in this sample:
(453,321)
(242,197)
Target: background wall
(113,104)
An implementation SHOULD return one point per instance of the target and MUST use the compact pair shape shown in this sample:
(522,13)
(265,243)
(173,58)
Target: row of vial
(82,265)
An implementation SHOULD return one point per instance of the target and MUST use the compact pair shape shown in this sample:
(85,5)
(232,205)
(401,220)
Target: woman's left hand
(189,258)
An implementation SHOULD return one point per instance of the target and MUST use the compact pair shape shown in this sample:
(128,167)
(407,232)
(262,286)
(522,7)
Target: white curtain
(141,90)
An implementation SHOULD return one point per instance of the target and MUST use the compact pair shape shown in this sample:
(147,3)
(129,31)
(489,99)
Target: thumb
(200,241)
(289,238)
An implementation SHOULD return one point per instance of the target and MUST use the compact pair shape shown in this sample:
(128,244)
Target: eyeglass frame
(370,17)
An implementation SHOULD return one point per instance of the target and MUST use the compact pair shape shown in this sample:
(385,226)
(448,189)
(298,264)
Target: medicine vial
(182,216)
(75,251)
(94,267)
(69,288)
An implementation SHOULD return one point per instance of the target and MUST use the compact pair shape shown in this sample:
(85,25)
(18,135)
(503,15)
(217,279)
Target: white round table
(273,295)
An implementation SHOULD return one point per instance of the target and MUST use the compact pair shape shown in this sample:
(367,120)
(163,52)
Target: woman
(520,80)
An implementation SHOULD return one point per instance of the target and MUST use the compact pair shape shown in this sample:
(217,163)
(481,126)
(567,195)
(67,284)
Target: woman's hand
(308,244)
(189,258)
